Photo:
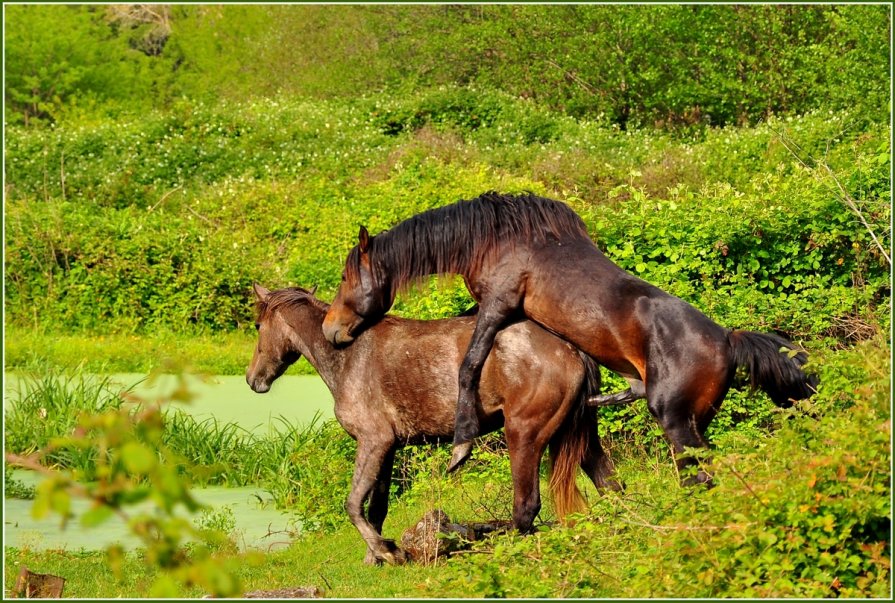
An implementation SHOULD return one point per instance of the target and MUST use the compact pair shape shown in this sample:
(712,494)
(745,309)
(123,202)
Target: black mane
(457,238)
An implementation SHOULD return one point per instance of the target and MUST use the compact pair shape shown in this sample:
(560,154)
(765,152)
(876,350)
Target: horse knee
(355,511)
(468,377)
(700,478)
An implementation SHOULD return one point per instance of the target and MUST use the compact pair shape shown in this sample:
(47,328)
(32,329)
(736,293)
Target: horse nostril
(257,385)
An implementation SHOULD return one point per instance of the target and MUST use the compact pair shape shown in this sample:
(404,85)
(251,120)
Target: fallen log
(31,585)
(435,535)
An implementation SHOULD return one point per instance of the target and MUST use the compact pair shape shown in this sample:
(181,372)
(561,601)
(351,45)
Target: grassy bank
(214,354)
(801,509)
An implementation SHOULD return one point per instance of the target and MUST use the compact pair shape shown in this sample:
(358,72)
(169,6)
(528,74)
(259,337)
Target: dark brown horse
(526,254)
(397,385)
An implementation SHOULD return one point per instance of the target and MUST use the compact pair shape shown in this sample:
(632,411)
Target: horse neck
(306,323)
(451,254)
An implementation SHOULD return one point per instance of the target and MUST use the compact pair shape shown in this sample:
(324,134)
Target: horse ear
(313,290)
(363,239)
(260,292)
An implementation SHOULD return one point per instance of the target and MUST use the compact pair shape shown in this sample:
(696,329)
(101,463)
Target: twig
(62,173)
(743,481)
(471,552)
(843,194)
(165,196)
(850,202)
(572,76)
(325,581)
(200,216)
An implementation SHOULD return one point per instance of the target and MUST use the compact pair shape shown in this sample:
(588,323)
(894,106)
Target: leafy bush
(111,254)
(719,65)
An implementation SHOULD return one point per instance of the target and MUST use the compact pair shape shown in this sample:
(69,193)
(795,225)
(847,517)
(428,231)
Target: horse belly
(609,330)
(421,387)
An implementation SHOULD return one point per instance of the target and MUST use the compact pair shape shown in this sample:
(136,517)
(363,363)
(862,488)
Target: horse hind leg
(596,464)
(684,419)
(524,463)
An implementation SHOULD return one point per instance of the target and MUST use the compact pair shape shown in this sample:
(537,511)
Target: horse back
(576,292)
(403,376)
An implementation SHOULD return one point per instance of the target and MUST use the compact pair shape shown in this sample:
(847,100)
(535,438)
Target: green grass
(332,563)
(801,508)
(216,354)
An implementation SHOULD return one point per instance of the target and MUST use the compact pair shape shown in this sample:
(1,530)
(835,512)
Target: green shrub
(274,191)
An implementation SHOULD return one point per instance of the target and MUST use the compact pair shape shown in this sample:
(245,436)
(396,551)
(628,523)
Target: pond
(227,399)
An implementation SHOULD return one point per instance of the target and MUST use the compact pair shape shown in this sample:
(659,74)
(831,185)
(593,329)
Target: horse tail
(774,365)
(569,445)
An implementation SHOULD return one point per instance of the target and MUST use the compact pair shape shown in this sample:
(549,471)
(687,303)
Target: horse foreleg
(378,506)
(680,427)
(367,467)
(466,427)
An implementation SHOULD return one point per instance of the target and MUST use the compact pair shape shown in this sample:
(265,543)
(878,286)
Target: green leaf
(137,458)
(41,506)
(60,502)
(96,516)
(164,588)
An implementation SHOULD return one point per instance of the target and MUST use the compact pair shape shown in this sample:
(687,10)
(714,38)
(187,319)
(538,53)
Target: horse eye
(257,326)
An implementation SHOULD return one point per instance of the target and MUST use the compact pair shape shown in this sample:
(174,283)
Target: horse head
(274,352)
(364,295)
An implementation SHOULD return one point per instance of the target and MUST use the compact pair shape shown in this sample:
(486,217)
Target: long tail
(570,443)
(774,365)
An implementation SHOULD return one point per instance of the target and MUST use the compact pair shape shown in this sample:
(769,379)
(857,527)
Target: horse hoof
(398,557)
(372,559)
(460,455)
(700,479)
(614,485)
(395,556)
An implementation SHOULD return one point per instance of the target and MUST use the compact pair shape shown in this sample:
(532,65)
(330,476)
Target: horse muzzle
(258,386)
(337,334)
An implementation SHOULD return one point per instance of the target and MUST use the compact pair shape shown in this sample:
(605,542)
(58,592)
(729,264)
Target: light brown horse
(397,385)
(529,255)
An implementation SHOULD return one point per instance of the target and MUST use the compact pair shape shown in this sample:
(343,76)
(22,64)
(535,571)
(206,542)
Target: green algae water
(257,523)
(227,399)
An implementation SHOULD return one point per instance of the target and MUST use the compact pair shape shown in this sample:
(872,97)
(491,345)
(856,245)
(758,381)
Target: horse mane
(288,297)
(458,238)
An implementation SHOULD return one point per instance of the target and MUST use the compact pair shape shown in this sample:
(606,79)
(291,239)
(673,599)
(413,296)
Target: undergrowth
(802,511)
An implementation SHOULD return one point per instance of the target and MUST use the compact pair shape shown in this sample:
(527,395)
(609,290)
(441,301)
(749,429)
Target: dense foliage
(165,221)
(161,159)
(804,513)
(670,65)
